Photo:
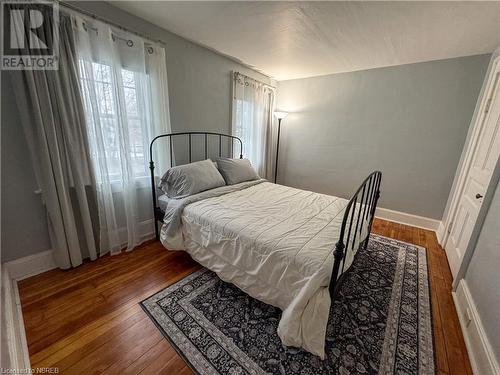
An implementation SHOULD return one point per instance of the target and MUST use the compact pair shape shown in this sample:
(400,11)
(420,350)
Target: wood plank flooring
(88,320)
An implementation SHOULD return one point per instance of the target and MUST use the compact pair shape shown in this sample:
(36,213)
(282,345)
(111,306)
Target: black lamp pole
(277,151)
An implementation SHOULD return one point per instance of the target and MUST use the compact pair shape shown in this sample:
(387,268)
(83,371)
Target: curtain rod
(253,79)
(103,19)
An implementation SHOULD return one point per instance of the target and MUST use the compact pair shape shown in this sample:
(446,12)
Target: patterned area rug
(380,324)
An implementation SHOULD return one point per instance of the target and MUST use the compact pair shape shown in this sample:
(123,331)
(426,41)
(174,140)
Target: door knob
(478,196)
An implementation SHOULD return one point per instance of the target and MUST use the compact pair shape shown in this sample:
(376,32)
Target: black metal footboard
(356,228)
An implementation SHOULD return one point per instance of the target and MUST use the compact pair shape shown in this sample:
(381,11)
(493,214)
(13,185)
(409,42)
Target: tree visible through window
(122,133)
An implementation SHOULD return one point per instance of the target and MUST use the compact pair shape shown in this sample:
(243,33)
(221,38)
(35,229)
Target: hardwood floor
(88,320)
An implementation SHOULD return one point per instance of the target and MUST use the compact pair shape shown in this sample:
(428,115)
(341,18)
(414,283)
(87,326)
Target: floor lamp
(280,116)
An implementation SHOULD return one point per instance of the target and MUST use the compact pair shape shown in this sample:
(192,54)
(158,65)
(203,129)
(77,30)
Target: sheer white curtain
(253,103)
(124,88)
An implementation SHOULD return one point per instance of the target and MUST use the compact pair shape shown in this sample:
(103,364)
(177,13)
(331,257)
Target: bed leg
(157,235)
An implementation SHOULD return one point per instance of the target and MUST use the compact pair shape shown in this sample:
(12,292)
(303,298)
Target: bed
(287,247)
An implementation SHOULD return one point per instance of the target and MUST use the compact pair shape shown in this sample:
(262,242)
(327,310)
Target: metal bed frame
(362,204)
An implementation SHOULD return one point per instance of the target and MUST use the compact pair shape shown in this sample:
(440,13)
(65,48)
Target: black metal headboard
(157,213)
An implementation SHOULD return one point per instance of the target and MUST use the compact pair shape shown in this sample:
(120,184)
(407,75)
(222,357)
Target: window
(116,118)
(252,120)
(242,110)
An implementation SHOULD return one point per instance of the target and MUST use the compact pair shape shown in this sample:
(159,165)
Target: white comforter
(275,243)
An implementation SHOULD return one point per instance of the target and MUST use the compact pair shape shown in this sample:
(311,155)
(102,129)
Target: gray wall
(483,277)
(410,121)
(199,94)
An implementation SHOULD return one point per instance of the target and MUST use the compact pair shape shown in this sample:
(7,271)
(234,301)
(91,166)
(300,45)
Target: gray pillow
(184,180)
(235,171)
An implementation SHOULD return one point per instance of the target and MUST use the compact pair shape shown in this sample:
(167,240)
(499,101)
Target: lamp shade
(280,114)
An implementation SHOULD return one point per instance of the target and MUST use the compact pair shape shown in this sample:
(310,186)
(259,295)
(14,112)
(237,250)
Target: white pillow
(184,180)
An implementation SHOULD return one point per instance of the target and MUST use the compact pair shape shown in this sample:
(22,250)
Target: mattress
(275,243)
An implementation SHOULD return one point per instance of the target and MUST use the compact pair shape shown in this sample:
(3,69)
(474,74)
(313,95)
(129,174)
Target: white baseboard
(481,354)
(12,315)
(35,264)
(12,272)
(31,265)
(408,219)
(440,233)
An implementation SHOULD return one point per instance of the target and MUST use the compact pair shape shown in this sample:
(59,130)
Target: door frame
(456,193)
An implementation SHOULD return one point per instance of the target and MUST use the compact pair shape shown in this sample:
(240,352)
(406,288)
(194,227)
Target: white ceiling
(287,40)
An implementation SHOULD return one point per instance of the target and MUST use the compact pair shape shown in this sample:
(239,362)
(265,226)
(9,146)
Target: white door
(483,162)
